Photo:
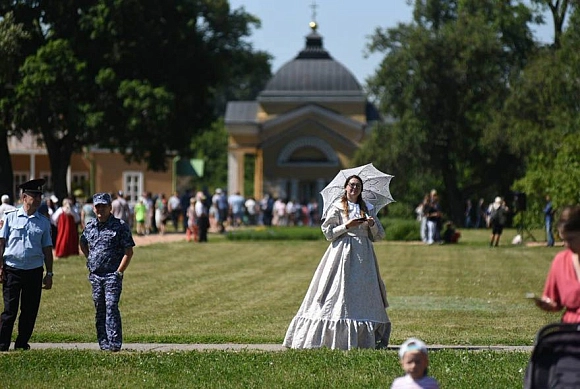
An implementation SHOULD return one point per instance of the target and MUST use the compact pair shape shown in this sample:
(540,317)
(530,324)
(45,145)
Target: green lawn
(247,292)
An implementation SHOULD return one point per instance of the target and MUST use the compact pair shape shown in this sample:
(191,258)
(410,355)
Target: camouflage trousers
(106,295)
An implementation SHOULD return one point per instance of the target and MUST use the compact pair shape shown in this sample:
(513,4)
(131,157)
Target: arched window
(308,151)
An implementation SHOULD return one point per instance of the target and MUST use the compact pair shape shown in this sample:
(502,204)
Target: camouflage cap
(102,198)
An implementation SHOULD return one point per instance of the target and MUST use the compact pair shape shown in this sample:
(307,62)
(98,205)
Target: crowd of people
(190,212)
(435,229)
(431,218)
(197,213)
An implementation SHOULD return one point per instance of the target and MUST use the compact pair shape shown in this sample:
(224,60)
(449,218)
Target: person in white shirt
(174,208)
(252,211)
(414,361)
(5,206)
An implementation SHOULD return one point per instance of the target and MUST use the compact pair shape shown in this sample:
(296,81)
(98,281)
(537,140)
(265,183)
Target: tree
(144,77)
(542,117)
(11,37)
(442,78)
(212,147)
(201,43)
(559,10)
(51,100)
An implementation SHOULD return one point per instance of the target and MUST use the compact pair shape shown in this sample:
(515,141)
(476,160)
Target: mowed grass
(222,369)
(247,292)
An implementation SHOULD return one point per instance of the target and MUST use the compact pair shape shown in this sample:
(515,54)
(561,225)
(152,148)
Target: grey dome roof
(313,72)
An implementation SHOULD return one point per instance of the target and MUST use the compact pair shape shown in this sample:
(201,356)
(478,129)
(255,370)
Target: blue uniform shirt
(107,243)
(25,237)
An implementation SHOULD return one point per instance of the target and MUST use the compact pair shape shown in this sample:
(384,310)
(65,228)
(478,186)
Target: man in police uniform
(25,249)
(107,244)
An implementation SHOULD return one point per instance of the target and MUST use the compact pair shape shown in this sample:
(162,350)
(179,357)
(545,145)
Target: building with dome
(302,129)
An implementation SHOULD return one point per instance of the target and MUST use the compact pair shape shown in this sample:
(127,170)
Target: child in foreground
(414,361)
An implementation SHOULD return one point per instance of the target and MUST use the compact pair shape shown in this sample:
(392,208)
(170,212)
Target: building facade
(301,130)
(95,170)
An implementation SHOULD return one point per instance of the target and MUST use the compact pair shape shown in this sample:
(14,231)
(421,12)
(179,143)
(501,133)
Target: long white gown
(344,306)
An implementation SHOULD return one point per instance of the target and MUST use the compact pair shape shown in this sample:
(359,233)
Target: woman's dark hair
(569,219)
(359,200)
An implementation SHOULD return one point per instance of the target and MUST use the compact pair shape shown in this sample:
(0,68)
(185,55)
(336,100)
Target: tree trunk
(452,193)
(6,173)
(59,154)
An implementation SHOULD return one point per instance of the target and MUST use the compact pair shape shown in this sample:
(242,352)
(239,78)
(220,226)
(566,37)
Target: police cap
(32,186)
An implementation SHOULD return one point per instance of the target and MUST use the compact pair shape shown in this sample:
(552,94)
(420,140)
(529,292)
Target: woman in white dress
(344,306)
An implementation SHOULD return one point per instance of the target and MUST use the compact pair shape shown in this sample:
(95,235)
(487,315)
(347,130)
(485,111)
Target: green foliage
(52,100)
(212,147)
(12,35)
(402,229)
(442,79)
(141,78)
(557,175)
(541,122)
(399,210)
(12,38)
(398,229)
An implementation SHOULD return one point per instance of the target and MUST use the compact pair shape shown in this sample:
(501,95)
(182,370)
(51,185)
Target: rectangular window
(80,183)
(48,186)
(133,186)
(19,178)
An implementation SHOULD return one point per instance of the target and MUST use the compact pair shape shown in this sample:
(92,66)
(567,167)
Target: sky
(345,26)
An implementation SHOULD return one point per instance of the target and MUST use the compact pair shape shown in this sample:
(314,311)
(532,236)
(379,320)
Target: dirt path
(158,238)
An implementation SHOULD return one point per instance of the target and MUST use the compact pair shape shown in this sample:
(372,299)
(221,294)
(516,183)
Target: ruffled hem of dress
(343,334)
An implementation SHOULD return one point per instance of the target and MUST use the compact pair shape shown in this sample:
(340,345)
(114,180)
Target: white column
(31,173)
(235,171)
(69,181)
(232,172)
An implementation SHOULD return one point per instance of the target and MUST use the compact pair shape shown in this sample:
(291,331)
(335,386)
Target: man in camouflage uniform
(107,244)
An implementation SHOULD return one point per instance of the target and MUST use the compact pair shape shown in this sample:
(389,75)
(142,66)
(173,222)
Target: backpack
(497,216)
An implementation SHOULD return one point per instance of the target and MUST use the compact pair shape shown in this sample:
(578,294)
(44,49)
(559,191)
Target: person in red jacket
(562,288)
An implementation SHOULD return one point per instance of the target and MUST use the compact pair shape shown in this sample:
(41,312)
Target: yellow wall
(108,169)
(109,174)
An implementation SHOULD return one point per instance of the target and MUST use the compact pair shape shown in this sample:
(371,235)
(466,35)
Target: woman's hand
(357,222)
(354,223)
(546,304)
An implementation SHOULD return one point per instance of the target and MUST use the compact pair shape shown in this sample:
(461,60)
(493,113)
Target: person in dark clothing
(107,244)
(549,221)
(497,219)
(450,234)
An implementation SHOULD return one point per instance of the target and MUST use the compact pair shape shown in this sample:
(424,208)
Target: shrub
(399,210)
(401,229)
(397,229)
